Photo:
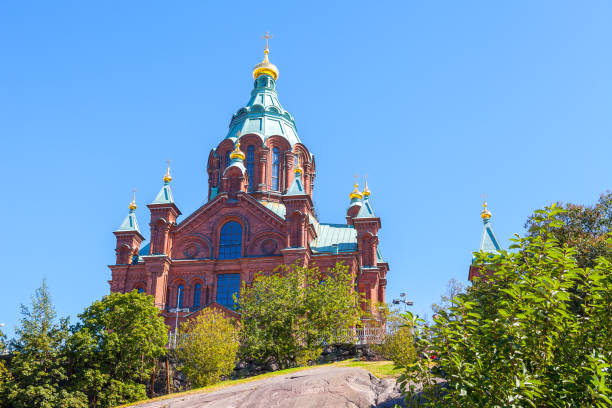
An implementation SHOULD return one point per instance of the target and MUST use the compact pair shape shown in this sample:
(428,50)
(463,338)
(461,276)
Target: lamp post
(403,300)
(177,309)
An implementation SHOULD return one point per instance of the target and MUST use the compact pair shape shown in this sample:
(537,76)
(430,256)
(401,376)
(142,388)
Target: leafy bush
(292,313)
(515,340)
(114,348)
(398,344)
(207,351)
(583,228)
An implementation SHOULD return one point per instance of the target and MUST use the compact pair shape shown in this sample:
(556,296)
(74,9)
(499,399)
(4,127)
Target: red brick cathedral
(259,215)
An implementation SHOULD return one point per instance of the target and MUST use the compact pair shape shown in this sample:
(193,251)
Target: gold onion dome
(167,177)
(355,193)
(265,67)
(133,203)
(485,214)
(298,170)
(237,153)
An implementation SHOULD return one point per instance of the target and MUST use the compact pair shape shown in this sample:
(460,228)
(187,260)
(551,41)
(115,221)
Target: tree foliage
(398,343)
(39,369)
(514,340)
(5,377)
(292,313)
(102,361)
(115,346)
(207,351)
(453,289)
(584,228)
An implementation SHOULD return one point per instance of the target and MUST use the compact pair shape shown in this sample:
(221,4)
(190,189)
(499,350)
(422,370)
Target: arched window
(227,158)
(179,296)
(197,292)
(250,164)
(275,168)
(228,285)
(230,241)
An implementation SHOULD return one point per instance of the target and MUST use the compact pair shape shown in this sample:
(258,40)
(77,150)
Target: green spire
(130,223)
(165,194)
(297,187)
(366,210)
(489,241)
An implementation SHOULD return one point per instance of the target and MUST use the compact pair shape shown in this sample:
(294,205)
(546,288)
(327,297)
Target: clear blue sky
(436,101)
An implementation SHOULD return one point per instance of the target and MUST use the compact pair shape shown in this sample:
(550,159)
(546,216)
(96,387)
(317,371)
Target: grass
(381,369)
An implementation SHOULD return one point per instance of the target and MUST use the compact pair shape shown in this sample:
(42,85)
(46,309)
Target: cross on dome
(167,177)
(265,67)
(133,203)
(266,37)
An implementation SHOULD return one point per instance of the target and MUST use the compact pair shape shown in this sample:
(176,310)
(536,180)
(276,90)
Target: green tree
(115,346)
(398,343)
(293,312)
(5,377)
(584,228)
(207,351)
(39,368)
(453,289)
(514,340)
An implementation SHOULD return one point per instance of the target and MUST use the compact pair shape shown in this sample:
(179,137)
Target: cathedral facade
(259,215)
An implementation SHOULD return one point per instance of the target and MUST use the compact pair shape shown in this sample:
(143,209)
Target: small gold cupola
(485,214)
(133,203)
(356,194)
(167,177)
(265,67)
(237,153)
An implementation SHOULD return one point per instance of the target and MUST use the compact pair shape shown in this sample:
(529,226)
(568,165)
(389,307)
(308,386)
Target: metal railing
(359,335)
(363,335)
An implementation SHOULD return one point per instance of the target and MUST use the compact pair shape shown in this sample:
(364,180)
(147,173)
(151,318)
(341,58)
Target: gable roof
(334,238)
(277,208)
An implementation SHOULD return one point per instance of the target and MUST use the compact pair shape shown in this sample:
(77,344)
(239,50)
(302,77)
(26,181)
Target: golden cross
(266,37)
(168,162)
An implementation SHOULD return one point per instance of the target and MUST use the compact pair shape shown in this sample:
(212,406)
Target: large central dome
(263,113)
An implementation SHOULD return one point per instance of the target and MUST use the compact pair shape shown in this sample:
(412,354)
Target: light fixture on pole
(177,309)
(403,300)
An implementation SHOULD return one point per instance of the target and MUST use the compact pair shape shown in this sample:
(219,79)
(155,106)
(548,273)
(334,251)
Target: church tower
(259,213)
(488,243)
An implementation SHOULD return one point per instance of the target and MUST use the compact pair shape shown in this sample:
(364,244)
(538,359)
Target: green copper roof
(334,238)
(297,187)
(263,114)
(129,223)
(366,210)
(164,196)
(489,241)
(278,208)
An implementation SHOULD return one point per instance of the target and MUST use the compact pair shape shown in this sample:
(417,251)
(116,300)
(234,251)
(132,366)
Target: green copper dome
(263,114)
